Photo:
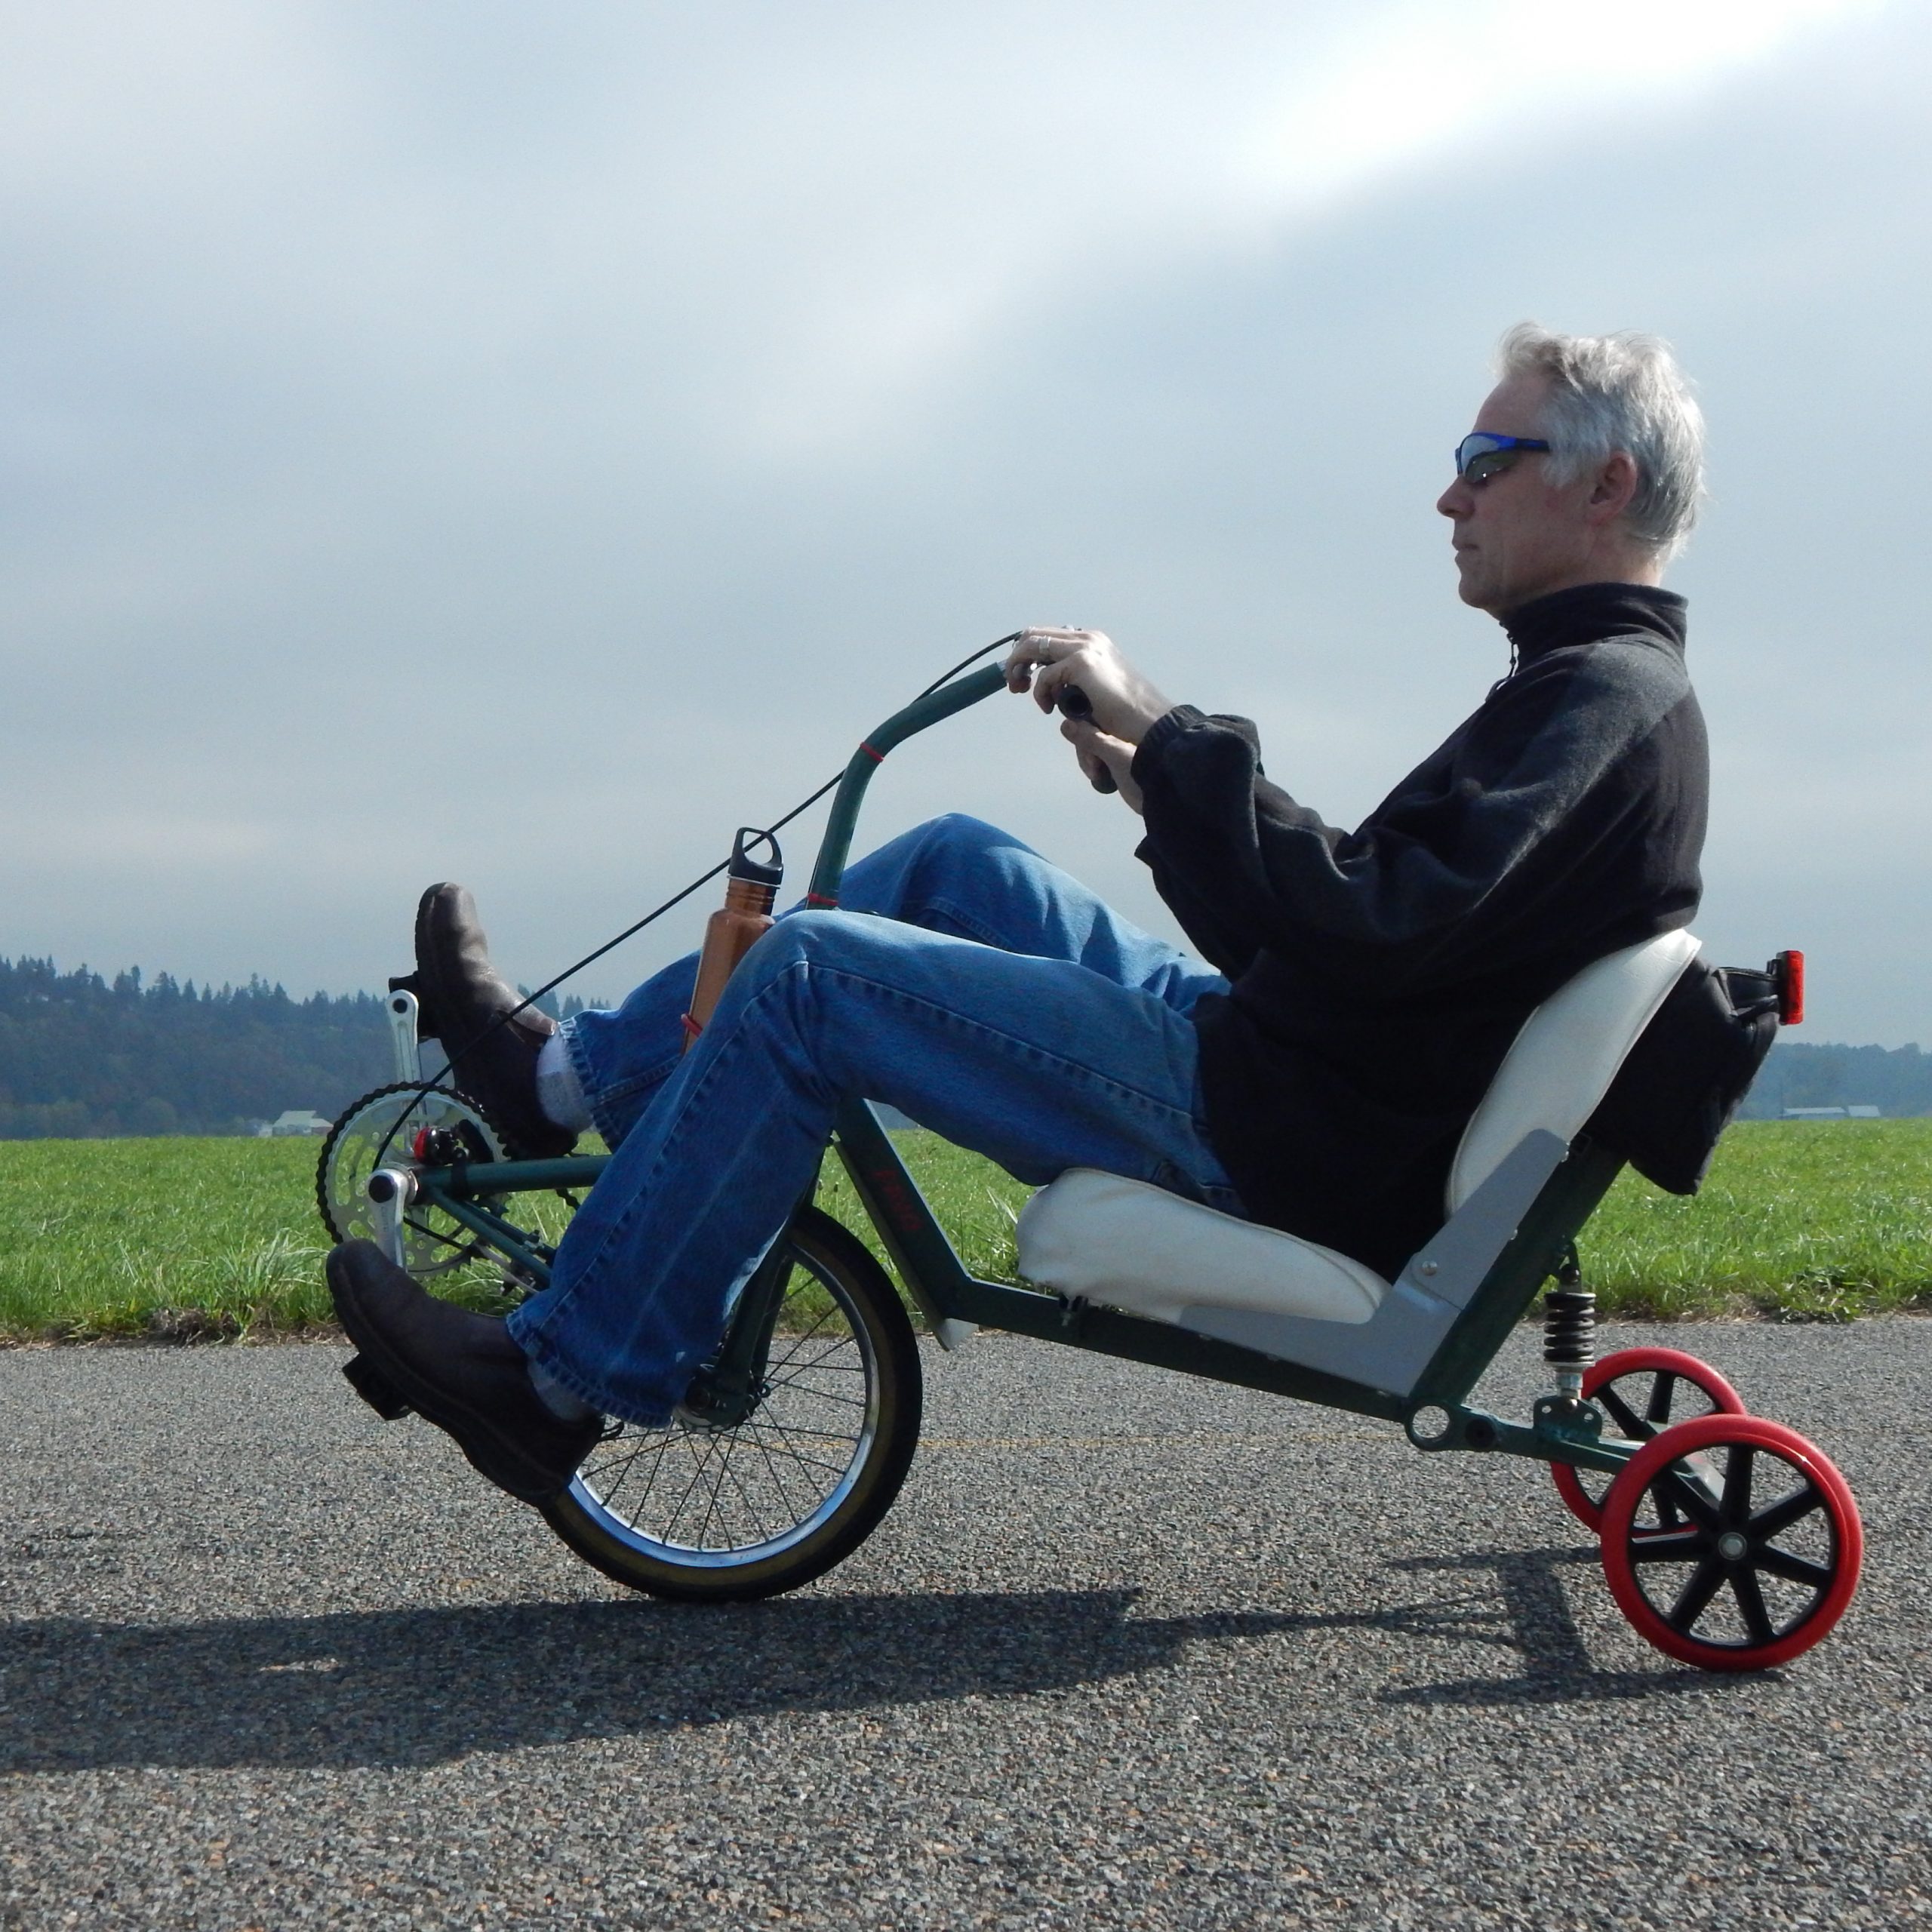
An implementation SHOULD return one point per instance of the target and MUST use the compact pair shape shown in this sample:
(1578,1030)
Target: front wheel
(723,1515)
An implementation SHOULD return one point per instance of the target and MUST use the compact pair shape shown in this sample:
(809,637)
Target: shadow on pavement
(419,1687)
(1534,1612)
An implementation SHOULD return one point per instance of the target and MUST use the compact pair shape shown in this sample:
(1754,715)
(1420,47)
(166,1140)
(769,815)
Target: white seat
(1129,1245)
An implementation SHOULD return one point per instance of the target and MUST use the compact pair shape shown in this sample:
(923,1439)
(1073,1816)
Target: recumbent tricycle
(1729,1542)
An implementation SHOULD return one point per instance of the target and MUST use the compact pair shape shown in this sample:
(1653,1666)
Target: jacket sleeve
(1501,824)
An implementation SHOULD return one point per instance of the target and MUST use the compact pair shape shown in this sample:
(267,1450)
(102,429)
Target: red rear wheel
(1642,1391)
(1730,1543)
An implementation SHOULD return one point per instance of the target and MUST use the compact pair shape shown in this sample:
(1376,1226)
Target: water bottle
(751,888)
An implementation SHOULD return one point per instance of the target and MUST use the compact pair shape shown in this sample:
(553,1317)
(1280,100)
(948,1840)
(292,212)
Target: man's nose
(1455,501)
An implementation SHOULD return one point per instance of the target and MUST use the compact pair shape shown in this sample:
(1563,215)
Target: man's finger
(1034,646)
(1094,764)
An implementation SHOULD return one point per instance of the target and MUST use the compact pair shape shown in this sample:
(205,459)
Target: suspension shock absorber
(1570,1331)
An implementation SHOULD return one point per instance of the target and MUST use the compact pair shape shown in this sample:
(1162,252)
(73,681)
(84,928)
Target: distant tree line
(1897,1080)
(81,1056)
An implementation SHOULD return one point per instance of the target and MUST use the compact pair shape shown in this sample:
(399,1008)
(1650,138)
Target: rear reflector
(1787,970)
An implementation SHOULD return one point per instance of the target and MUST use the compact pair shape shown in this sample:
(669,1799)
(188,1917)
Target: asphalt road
(1131,1652)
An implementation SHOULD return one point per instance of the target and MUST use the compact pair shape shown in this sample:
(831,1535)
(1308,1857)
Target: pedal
(373,1390)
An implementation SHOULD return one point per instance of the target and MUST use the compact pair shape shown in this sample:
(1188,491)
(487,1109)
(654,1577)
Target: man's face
(1517,537)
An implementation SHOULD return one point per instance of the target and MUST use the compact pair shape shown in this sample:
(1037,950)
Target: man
(1363,986)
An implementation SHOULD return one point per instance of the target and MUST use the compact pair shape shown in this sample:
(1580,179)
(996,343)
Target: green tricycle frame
(1682,1509)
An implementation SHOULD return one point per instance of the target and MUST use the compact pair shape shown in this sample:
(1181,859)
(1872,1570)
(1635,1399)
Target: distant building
(1832,1113)
(296,1120)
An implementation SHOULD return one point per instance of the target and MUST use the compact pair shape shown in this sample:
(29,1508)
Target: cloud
(459,440)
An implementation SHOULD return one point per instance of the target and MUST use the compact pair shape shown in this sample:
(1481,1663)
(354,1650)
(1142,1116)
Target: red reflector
(420,1146)
(1788,970)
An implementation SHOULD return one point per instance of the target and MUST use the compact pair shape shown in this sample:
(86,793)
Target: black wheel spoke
(744,1495)
(829,1435)
(771,1469)
(700,1456)
(1734,1507)
(1745,1587)
(798,1455)
(819,1395)
(761,1508)
(1776,1518)
(1632,1426)
(1672,1545)
(1657,1411)
(1695,1597)
(1794,1569)
(1686,1498)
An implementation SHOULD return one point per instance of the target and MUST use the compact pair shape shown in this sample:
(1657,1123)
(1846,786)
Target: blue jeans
(997,1001)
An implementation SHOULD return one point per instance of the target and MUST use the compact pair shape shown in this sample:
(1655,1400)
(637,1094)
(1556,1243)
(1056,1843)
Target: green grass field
(184,1238)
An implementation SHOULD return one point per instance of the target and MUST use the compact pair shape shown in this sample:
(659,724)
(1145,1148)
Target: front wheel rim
(697,1500)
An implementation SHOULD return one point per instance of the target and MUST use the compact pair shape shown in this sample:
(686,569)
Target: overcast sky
(518,443)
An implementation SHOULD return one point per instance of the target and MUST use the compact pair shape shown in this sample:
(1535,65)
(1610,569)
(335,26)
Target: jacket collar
(1588,611)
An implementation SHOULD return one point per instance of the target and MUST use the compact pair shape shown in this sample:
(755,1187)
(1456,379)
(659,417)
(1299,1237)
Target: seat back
(1561,1063)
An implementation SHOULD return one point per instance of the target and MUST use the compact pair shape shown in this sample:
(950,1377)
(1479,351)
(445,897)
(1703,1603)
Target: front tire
(723,1516)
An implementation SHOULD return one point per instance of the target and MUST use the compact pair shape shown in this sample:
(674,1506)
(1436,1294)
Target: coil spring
(1570,1321)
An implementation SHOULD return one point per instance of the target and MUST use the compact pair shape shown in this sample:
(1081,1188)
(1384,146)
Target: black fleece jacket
(1379,975)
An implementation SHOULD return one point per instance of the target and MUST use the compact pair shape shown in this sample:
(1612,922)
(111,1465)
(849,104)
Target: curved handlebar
(829,869)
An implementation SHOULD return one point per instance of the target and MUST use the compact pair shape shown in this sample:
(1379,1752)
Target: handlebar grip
(1073,703)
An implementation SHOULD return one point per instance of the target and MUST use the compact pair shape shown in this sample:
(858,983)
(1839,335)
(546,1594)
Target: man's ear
(1615,485)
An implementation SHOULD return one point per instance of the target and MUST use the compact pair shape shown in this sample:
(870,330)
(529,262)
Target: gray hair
(1623,391)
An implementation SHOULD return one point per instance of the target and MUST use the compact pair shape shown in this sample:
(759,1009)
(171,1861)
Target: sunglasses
(1480,455)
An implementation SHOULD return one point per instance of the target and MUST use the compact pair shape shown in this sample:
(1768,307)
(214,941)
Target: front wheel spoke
(829,1435)
(1745,1587)
(1794,1569)
(777,1480)
(1695,1597)
(829,1363)
(803,1460)
(701,1456)
(817,1395)
(610,1477)
(835,1346)
(730,1476)
(716,1510)
(804,1336)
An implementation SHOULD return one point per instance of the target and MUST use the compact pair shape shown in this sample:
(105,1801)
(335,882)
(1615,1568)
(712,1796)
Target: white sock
(558,1093)
(555,1397)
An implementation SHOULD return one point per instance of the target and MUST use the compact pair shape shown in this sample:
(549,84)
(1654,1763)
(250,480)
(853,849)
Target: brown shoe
(458,1371)
(492,1059)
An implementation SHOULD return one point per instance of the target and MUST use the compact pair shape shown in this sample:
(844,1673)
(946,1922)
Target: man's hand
(1102,758)
(1120,705)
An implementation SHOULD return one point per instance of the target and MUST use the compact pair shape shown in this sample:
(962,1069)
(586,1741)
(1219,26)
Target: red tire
(1730,1543)
(1644,1410)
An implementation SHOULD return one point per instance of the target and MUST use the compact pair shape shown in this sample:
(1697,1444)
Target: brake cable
(440,1082)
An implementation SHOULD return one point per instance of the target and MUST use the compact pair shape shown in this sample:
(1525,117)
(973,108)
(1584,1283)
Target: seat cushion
(1138,1247)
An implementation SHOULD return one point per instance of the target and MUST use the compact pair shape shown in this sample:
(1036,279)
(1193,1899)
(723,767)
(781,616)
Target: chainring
(380,1131)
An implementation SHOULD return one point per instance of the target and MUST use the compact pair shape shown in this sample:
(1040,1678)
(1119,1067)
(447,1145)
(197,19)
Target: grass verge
(188,1239)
